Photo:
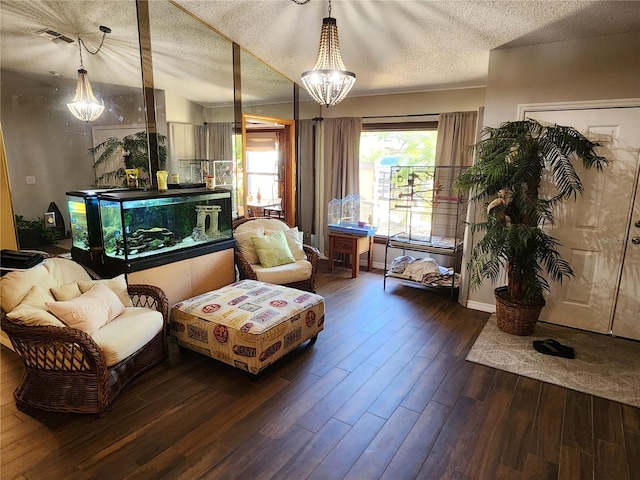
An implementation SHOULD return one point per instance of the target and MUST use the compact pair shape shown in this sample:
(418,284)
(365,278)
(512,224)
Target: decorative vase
(516,318)
(161,176)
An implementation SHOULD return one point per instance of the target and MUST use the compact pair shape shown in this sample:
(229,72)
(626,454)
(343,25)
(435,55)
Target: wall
(181,110)
(440,101)
(437,101)
(596,68)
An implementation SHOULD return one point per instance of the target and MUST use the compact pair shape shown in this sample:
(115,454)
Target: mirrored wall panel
(49,151)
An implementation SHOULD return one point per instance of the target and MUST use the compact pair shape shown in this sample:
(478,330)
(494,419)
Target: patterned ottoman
(248,324)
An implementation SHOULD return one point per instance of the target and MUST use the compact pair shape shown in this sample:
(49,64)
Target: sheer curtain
(456,132)
(337,166)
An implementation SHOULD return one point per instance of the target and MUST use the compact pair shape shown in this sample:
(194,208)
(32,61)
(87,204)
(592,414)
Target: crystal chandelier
(85,106)
(329,81)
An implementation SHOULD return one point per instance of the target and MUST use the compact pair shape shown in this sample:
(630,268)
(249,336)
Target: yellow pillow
(294,240)
(33,310)
(273,250)
(117,285)
(89,311)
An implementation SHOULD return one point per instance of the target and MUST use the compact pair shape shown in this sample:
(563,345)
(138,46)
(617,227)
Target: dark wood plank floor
(384,393)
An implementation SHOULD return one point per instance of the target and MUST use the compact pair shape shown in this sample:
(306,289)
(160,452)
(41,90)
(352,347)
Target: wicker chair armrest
(50,348)
(244,267)
(313,255)
(150,296)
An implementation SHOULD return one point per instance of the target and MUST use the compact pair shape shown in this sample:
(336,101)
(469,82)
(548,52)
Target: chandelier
(329,81)
(85,106)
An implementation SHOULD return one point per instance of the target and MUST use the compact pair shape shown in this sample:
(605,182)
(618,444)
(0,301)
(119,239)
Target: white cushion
(33,310)
(68,291)
(90,311)
(117,285)
(127,333)
(265,223)
(282,274)
(245,243)
(14,286)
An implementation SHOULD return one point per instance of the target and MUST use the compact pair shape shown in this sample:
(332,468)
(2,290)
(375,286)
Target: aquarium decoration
(146,240)
(210,212)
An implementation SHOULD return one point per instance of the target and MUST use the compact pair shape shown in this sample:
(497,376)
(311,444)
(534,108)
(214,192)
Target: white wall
(181,110)
(595,68)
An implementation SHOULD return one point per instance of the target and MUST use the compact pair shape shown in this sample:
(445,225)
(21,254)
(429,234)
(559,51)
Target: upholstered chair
(260,254)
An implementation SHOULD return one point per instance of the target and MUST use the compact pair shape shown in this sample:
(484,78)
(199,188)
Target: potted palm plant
(512,161)
(133,149)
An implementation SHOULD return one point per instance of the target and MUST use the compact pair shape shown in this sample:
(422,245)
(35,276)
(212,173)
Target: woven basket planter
(515,318)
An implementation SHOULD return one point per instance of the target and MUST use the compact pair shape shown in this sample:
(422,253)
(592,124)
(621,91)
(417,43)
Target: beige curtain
(456,132)
(338,168)
(186,141)
(220,140)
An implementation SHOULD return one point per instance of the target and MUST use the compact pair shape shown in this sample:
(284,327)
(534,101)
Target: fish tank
(86,236)
(144,229)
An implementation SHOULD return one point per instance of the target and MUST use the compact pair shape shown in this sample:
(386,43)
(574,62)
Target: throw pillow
(68,291)
(33,310)
(90,311)
(273,250)
(245,244)
(294,240)
(117,285)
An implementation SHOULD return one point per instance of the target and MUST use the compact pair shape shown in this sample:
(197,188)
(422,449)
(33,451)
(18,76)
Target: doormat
(604,366)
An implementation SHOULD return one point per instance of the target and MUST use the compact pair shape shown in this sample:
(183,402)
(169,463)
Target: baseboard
(483,307)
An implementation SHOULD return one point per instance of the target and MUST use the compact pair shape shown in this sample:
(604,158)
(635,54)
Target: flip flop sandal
(553,347)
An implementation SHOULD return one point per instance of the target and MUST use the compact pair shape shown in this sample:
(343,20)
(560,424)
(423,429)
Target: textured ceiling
(391,45)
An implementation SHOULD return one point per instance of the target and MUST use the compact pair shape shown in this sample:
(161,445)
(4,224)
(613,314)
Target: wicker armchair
(246,268)
(65,370)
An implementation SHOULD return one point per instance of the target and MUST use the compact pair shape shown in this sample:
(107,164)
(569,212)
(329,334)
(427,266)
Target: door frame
(523,108)
(288,200)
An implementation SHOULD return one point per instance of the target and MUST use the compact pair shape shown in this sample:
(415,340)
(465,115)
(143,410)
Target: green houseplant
(32,233)
(511,163)
(133,149)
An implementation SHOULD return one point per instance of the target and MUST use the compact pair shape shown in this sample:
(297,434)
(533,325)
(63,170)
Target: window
(381,147)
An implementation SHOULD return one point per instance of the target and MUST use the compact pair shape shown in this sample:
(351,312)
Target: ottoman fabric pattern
(248,324)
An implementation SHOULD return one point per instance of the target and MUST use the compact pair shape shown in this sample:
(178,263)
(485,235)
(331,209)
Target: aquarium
(150,228)
(86,237)
(78,207)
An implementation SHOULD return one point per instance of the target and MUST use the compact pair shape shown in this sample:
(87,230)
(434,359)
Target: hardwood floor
(384,393)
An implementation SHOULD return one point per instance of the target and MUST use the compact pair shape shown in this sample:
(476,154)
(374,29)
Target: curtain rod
(403,116)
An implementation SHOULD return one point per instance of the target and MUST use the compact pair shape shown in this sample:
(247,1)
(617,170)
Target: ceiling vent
(54,36)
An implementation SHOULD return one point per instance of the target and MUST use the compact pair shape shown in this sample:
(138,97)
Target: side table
(353,245)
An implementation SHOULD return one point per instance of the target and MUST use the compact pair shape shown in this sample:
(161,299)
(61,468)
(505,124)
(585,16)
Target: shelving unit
(425,215)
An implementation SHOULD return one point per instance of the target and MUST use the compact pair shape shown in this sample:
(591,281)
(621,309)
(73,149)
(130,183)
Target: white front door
(626,319)
(594,230)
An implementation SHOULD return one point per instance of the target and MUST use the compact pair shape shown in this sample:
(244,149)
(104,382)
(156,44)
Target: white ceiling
(391,45)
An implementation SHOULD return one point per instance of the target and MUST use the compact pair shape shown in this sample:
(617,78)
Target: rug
(604,366)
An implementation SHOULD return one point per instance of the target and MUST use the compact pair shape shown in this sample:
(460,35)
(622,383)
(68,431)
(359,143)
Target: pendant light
(85,106)
(329,81)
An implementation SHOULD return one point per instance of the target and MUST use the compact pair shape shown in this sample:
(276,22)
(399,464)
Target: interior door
(626,319)
(594,230)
